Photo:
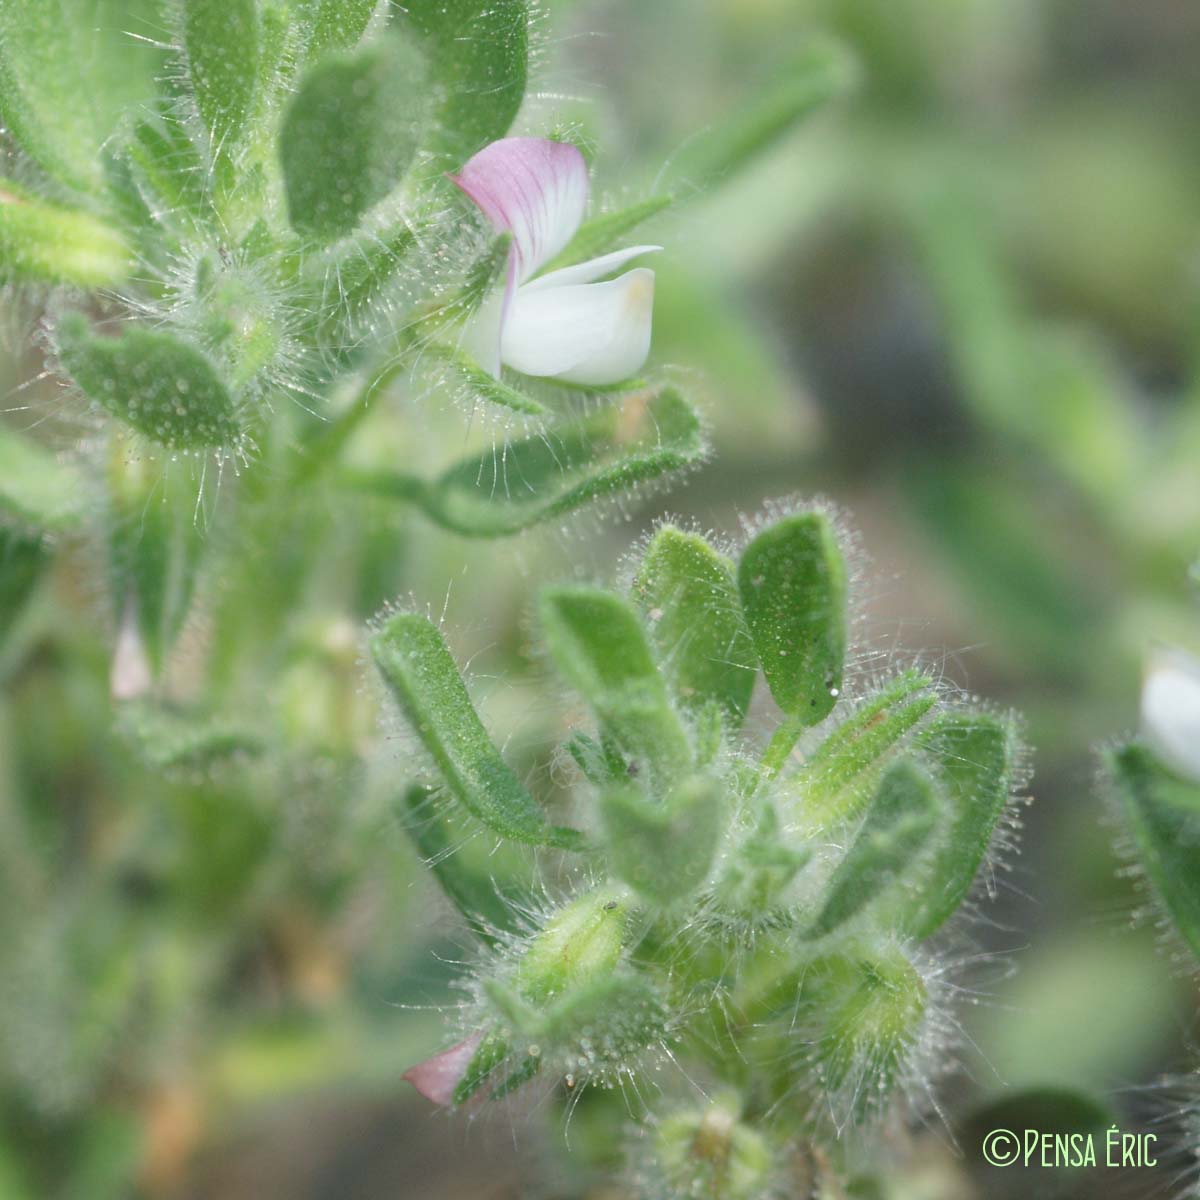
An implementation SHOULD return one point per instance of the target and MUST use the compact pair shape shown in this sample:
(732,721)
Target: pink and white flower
(1171,711)
(570,324)
(438,1077)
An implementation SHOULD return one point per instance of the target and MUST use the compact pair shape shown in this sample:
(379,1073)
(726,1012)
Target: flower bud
(581,943)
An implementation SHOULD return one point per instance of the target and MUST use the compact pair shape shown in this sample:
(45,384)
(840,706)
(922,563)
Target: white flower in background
(1171,711)
(564,324)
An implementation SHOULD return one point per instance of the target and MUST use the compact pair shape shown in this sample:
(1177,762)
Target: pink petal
(437,1077)
(533,188)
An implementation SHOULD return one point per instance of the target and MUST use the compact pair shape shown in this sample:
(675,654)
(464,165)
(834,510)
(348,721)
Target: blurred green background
(963,305)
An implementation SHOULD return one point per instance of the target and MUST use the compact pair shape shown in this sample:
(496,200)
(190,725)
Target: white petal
(130,676)
(1171,711)
(593,269)
(481,334)
(533,188)
(592,333)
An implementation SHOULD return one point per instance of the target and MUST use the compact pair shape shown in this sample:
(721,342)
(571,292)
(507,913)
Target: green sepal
(490,1053)
(475,876)
(222,42)
(689,599)
(1163,814)
(168,172)
(460,370)
(350,134)
(163,387)
(46,243)
(664,849)
(424,680)
(478,52)
(598,642)
(972,757)
(792,581)
(558,470)
(898,826)
(859,1016)
(839,776)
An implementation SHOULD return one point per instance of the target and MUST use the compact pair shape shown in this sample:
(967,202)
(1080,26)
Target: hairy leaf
(350,134)
(664,850)
(898,825)
(164,388)
(478,53)
(687,594)
(599,645)
(972,758)
(422,676)
(792,581)
(222,42)
(70,73)
(838,777)
(1163,813)
(46,243)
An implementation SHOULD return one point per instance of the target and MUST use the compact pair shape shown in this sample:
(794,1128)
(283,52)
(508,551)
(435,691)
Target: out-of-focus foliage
(963,304)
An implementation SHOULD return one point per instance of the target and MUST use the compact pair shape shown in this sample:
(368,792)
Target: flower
(437,1078)
(1171,711)
(563,324)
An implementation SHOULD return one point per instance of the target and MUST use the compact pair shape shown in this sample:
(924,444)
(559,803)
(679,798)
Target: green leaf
(603,232)
(478,54)
(600,647)
(792,581)
(471,871)
(36,489)
(23,557)
(898,825)
(155,546)
(421,675)
(821,73)
(221,40)
(350,134)
(1163,813)
(837,779)
(335,24)
(45,243)
(359,282)
(689,599)
(168,171)
(69,73)
(164,388)
(972,756)
(664,849)
(478,383)
(758,872)
(557,471)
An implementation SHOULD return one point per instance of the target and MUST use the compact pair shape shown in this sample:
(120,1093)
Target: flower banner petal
(533,188)
(591,333)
